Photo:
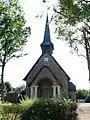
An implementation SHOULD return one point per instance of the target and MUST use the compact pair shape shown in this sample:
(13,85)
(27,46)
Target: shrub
(47,109)
(11,111)
(39,109)
(87,100)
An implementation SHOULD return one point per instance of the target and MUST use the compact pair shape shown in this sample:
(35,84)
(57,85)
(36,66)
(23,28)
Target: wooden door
(45,89)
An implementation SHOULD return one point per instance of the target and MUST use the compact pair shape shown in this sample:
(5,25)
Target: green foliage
(45,109)
(28,101)
(9,111)
(13,33)
(39,109)
(82,94)
(87,100)
(19,89)
(8,87)
(73,23)
(74,11)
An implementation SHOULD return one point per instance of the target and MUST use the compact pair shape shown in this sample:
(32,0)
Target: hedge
(9,111)
(39,109)
(87,100)
(47,109)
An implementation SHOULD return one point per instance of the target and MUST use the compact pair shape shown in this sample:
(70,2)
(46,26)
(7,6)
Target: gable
(44,73)
(49,61)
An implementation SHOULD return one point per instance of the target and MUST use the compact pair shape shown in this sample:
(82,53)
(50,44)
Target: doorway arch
(45,89)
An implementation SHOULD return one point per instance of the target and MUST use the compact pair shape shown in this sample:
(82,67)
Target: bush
(11,111)
(39,109)
(47,109)
(87,100)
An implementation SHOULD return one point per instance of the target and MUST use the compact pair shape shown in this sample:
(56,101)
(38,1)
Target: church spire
(47,45)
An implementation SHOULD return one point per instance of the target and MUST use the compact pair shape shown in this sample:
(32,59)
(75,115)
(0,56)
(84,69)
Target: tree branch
(81,55)
(16,56)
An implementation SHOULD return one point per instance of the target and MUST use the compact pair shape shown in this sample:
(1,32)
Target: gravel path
(84,111)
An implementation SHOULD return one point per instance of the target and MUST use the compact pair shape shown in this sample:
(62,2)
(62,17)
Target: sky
(74,66)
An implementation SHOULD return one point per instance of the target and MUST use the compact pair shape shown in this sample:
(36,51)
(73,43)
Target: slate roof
(49,70)
(47,37)
(71,87)
(36,68)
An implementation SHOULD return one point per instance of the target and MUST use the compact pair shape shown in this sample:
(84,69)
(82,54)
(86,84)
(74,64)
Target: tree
(82,94)
(19,89)
(8,87)
(73,25)
(13,33)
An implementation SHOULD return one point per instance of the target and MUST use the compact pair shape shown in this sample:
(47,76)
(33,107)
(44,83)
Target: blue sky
(16,69)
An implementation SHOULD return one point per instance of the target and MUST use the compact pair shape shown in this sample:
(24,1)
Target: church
(47,78)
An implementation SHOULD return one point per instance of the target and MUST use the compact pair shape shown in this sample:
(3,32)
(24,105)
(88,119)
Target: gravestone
(11,97)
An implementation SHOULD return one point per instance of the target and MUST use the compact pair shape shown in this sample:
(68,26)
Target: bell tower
(47,45)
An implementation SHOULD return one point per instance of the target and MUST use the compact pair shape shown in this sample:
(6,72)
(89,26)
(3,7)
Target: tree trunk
(2,81)
(87,48)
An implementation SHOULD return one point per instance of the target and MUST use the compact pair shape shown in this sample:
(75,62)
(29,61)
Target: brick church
(47,78)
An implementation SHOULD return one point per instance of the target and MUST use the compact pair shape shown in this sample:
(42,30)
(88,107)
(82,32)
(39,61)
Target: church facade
(47,78)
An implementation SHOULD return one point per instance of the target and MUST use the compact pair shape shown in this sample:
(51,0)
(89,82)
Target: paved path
(84,111)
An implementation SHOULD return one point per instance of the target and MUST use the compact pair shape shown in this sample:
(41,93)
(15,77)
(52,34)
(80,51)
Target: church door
(45,88)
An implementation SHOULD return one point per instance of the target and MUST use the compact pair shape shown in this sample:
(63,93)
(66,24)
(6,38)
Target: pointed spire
(47,31)
(47,45)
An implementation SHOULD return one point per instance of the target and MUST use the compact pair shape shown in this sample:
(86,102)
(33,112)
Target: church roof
(40,63)
(47,45)
(49,70)
(71,87)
